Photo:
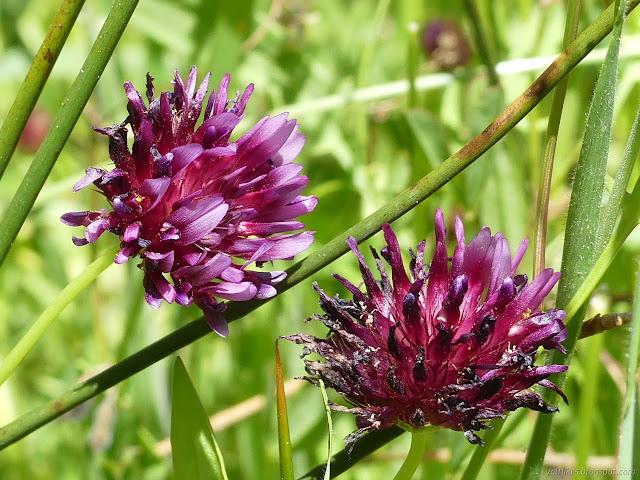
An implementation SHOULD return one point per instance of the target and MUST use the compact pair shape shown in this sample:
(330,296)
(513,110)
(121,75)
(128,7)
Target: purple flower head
(445,43)
(188,201)
(452,346)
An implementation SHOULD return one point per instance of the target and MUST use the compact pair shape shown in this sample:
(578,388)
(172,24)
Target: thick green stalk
(414,457)
(551,140)
(35,79)
(35,332)
(336,247)
(64,122)
(580,251)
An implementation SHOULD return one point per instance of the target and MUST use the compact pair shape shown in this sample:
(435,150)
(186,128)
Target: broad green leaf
(194,449)
(629,454)
(580,245)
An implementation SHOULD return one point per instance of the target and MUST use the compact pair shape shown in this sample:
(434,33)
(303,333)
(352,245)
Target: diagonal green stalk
(35,332)
(63,123)
(580,243)
(35,79)
(551,139)
(364,229)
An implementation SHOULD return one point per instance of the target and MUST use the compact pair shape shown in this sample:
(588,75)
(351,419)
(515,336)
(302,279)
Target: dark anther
(394,383)
(490,388)
(392,342)
(417,419)
(457,290)
(385,254)
(520,281)
(485,328)
(473,438)
(419,372)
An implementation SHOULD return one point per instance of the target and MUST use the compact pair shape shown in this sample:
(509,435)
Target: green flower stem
(64,122)
(71,291)
(414,457)
(35,79)
(332,250)
(551,139)
(481,41)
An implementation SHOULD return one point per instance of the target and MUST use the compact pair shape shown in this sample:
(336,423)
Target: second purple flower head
(188,201)
(452,344)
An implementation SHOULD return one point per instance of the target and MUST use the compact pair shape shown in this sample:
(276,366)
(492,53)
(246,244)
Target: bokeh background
(334,65)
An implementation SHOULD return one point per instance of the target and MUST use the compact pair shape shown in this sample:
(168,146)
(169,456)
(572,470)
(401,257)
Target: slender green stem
(480,39)
(555,115)
(71,291)
(414,457)
(35,79)
(332,250)
(64,122)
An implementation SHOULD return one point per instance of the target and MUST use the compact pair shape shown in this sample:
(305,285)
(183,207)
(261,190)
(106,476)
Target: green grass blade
(327,409)
(550,143)
(629,454)
(612,209)
(63,123)
(35,79)
(44,321)
(284,438)
(580,251)
(194,450)
(331,251)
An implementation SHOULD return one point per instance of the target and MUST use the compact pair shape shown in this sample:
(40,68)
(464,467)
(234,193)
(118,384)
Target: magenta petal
(201,274)
(300,206)
(79,242)
(132,232)
(162,261)
(217,323)
(184,155)
(92,174)
(233,291)
(155,188)
(95,229)
(77,219)
(268,228)
(198,218)
(290,149)
(165,289)
(284,246)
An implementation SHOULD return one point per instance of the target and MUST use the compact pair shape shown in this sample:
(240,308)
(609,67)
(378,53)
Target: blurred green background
(309,58)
